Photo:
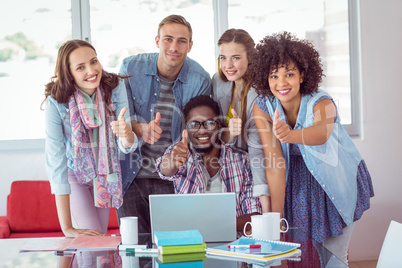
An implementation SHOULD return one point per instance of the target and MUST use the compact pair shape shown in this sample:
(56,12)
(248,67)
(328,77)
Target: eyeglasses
(209,125)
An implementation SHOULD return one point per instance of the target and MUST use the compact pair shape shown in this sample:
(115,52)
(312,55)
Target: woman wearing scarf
(85,109)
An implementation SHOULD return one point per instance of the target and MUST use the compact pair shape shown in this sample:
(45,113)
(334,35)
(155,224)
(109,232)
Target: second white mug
(274,222)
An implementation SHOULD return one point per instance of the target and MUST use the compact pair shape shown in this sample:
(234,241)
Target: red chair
(31,212)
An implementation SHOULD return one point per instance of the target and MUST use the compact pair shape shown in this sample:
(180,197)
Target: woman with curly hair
(231,89)
(81,104)
(316,175)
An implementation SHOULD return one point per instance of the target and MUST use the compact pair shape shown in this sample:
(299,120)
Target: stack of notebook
(254,250)
(185,248)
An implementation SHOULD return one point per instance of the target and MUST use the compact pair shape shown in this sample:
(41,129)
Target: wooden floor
(363,264)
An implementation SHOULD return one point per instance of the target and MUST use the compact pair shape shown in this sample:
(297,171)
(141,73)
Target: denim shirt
(333,164)
(59,150)
(143,88)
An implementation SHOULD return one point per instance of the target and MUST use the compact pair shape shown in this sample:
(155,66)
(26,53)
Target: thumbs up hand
(235,125)
(281,130)
(151,132)
(120,127)
(179,152)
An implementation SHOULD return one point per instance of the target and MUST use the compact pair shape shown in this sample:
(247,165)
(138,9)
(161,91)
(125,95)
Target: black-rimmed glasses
(209,125)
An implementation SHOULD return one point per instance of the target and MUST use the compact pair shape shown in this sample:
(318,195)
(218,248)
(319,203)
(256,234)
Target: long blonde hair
(239,36)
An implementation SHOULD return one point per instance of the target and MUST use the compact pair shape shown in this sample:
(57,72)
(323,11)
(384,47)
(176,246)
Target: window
(131,27)
(29,40)
(117,29)
(324,22)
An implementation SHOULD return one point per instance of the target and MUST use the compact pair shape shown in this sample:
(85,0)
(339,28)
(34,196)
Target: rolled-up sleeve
(249,202)
(55,150)
(257,165)
(255,151)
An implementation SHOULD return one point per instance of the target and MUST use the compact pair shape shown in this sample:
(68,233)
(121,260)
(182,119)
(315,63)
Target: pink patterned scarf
(108,193)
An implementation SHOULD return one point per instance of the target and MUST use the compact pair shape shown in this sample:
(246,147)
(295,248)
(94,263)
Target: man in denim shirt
(159,86)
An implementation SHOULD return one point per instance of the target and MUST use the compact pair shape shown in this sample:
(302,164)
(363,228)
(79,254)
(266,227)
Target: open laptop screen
(213,214)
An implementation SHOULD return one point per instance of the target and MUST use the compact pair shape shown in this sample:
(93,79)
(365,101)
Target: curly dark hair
(201,100)
(282,49)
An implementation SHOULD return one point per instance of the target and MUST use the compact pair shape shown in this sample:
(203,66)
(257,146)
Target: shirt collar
(183,74)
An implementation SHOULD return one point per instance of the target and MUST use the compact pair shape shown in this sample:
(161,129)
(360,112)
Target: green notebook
(182,249)
(187,257)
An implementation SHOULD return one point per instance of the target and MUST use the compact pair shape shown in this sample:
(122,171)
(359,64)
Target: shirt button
(340,210)
(333,198)
(151,110)
(323,186)
(304,155)
(133,172)
(155,94)
(312,171)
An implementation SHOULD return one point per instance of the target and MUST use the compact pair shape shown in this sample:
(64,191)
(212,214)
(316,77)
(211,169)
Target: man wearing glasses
(202,163)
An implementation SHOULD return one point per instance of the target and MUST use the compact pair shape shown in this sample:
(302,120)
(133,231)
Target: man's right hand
(151,132)
(179,152)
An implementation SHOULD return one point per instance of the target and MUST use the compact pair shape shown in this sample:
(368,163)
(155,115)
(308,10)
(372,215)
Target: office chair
(390,255)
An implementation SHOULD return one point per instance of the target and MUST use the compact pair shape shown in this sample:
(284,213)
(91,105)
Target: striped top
(150,152)
(235,175)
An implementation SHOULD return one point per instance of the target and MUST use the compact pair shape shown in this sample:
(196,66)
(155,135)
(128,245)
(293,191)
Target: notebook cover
(182,249)
(81,243)
(188,264)
(186,257)
(178,238)
(293,255)
(268,248)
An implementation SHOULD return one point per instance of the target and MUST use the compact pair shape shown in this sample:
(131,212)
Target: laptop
(213,214)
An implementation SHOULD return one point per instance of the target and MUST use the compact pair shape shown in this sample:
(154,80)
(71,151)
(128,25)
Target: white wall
(381,39)
(381,34)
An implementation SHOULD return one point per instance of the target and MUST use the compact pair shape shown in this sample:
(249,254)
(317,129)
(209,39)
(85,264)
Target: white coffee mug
(129,230)
(259,229)
(274,223)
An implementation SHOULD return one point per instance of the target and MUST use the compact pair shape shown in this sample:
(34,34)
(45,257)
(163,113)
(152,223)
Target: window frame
(80,16)
(354,129)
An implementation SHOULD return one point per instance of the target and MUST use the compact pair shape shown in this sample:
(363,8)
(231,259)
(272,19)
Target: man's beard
(204,150)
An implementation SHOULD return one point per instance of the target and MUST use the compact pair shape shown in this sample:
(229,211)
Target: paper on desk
(96,242)
(79,243)
(47,244)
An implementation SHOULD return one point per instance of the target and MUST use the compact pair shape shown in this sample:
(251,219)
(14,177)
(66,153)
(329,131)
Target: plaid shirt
(235,174)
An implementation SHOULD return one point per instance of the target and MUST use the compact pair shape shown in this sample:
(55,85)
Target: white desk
(10,256)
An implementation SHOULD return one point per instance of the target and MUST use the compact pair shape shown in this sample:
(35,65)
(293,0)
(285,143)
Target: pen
(142,250)
(244,246)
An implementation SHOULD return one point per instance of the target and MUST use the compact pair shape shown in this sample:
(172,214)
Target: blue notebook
(177,238)
(268,248)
